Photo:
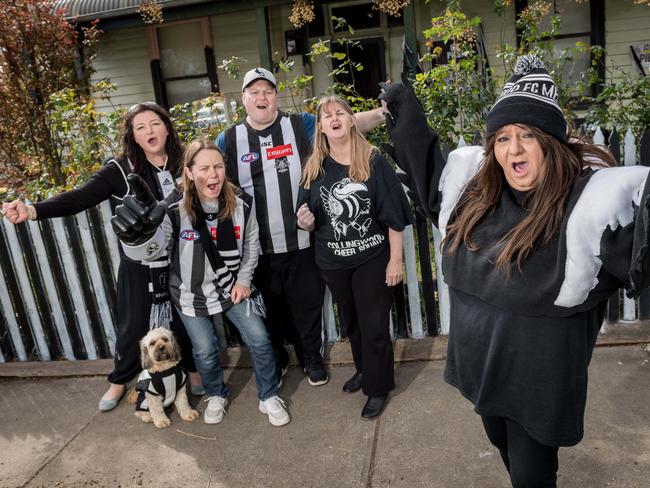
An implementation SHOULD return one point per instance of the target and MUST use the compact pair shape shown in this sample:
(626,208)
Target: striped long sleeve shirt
(196,289)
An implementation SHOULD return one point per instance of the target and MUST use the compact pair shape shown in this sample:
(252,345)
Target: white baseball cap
(258,74)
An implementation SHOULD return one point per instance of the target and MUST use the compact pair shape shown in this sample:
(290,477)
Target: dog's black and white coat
(165,384)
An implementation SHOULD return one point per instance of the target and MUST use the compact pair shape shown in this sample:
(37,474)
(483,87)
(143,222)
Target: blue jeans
(205,346)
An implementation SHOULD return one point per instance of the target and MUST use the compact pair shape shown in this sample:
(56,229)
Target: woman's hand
(394,273)
(305,218)
(239,293)
(17,212)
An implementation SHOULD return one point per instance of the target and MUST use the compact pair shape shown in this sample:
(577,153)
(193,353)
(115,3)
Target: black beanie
(529,97)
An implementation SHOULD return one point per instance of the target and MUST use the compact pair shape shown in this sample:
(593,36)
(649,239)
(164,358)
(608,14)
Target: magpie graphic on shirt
(349,213)
(282,165)
(345,207)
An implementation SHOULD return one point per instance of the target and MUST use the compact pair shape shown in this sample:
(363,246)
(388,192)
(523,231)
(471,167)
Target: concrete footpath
(51,434)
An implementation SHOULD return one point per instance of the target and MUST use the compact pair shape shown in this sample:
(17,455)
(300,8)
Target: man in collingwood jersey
(264,156)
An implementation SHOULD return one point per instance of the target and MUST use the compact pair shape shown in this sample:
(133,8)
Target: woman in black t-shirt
(152,149)
(353,201)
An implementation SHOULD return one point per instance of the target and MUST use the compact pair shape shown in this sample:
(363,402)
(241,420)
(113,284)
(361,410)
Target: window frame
(159,81)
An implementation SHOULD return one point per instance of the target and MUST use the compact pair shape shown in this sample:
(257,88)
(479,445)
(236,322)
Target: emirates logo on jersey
(279,151)
(189,234)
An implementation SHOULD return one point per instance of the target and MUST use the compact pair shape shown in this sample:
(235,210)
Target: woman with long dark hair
(151,149)
(353,201)
(211,239)
(539,231)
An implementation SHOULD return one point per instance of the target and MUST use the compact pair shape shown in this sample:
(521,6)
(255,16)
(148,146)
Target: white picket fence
(60,294)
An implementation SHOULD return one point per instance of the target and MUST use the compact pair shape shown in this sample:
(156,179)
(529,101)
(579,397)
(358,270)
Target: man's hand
(305,218)
(239,293)
(139,215)
(17,212)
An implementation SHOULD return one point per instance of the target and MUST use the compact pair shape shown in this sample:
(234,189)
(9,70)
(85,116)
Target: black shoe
(353,384)
(316,373)
(373,406)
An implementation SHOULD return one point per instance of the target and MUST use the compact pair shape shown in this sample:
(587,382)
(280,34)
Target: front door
(370,53)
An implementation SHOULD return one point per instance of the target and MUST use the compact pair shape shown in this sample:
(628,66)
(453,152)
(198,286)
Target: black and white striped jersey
(267,165)
(195,288)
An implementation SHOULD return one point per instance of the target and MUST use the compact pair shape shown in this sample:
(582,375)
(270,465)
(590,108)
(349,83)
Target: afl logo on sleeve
(250,157)
(189,234)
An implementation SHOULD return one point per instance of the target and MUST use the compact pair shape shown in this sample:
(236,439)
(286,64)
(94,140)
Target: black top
(544,271)
(108,182)
(352,219)
(532,370)
(507,355)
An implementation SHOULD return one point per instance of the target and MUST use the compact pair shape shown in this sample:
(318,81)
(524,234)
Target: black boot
(353,384)
(373,406)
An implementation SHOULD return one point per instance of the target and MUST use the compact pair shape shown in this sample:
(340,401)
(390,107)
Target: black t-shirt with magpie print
(353,218)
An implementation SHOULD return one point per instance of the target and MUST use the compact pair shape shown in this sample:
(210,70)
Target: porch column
(263,39)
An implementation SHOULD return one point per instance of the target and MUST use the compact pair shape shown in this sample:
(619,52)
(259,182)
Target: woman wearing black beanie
(538,232)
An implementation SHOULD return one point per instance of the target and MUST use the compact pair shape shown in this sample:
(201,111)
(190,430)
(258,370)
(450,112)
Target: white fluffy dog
(162,381)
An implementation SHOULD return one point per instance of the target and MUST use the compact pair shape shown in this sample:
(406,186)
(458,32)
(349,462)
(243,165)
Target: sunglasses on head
(132,108)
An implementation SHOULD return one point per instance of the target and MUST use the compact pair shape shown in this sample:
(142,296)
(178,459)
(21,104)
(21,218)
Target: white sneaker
(215,410)
(276,410)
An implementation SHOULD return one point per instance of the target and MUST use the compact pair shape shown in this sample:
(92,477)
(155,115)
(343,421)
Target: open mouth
(213,186)
(336,125)
(520,167)
(152,141)
(262,106)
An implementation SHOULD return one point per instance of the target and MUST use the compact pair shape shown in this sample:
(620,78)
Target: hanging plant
(302,13)
(391,7)
(150,12)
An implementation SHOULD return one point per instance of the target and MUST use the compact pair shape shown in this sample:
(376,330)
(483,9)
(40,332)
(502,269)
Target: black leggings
(364,301)
(530,464)
(134,308)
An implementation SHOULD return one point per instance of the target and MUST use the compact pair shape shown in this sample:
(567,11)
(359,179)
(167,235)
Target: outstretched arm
(108,181)
(370,119)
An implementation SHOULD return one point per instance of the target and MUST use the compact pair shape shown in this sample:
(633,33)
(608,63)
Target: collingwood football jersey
(197,289)
(267,165)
